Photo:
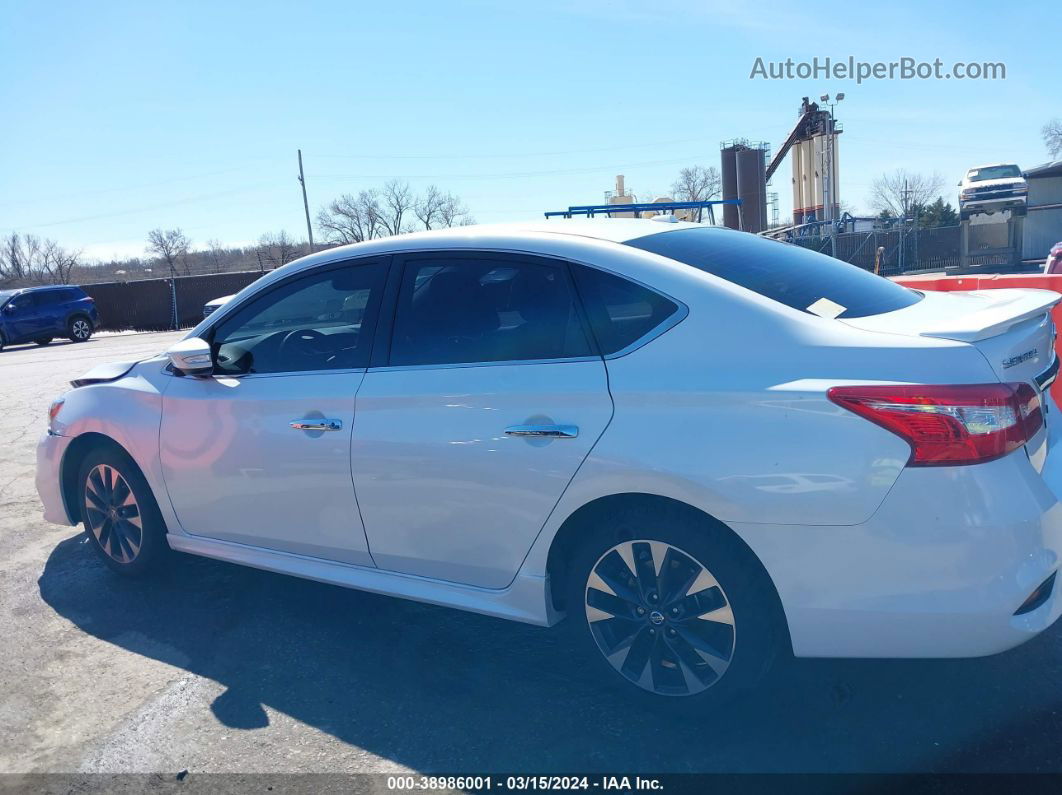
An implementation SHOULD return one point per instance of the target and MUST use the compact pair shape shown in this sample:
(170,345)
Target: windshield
(791,275)
(5,294)
(993,172)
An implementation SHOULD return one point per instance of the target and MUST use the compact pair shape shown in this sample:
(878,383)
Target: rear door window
(460,309)
(801,279)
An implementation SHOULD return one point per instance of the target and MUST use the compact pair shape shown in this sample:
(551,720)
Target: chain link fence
(906,250)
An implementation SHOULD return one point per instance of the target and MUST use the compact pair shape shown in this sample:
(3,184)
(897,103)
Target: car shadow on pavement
(442,690)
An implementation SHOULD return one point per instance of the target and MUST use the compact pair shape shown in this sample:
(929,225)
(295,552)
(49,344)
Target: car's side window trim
(385,259)
(398,268)
(661,328)
(385,318)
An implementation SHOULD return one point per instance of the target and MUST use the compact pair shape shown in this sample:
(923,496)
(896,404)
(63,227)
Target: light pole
(827,169)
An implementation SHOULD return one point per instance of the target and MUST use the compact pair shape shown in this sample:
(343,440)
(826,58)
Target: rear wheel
(43,340)
(120,513)
(79,329)
(673,608)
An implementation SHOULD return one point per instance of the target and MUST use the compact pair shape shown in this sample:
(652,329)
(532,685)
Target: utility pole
(305,203)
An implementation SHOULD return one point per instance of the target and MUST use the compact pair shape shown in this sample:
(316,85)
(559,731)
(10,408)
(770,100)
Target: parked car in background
(703,447)
(1053,263)
(40,314)
(210,306)
(989,189)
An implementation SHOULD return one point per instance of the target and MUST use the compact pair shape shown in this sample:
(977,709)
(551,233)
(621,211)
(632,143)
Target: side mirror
(191,357)
(10,309)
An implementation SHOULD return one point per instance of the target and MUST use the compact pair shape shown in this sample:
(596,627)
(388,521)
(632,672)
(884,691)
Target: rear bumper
(939,571)
(50,451)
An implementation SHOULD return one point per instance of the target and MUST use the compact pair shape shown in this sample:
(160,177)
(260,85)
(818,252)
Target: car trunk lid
(1012,328)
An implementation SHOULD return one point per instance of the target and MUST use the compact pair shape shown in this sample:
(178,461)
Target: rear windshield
(993,172)
(788,274)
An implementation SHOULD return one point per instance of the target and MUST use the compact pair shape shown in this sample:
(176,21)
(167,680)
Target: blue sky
(119,116)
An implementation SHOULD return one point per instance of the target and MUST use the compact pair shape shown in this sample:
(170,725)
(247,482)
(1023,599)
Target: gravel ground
(215,668)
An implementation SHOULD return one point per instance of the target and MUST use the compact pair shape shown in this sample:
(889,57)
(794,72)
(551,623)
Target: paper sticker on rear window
(826,308)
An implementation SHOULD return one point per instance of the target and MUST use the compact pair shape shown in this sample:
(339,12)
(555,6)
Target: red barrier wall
(1038,281)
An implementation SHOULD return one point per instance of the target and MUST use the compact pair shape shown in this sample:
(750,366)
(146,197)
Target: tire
(79,329)
(123,522)
(43,340)
(3,342)
(662,624)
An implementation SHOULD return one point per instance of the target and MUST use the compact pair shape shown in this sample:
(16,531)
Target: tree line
(27,260)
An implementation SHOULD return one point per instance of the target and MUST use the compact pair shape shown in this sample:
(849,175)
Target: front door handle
(317,425)
(550,431)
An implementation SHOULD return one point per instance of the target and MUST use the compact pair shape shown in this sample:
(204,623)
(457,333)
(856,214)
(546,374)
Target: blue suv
(40,314)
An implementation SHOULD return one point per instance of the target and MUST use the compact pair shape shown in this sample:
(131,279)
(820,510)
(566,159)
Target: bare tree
(1052,133)
(169,245)
(897,192)
(696,184)
(15,264)
(57,263)
(215,255)
(351,219)
(28,259)
(428,208)
(396,203)
(278,249)
(390,210)
(452,212)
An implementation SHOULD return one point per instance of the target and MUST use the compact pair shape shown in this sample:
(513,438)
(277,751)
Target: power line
(511,155)
(127,188)
(144,209)
(515,174)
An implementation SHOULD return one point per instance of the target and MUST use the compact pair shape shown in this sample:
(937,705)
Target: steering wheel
(305,342)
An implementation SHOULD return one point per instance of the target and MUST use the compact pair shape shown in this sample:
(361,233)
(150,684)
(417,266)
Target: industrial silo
(729,184)
(752,188)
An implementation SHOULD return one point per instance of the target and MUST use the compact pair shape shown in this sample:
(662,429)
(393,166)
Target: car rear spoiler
(1008,308)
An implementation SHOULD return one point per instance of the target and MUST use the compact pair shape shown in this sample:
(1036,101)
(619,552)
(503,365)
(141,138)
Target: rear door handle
(551,431)
(317,425)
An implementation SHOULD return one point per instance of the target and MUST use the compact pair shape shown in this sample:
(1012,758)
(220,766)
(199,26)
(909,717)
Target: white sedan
(701,447)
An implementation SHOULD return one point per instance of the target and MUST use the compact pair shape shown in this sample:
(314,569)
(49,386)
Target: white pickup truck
(986,189)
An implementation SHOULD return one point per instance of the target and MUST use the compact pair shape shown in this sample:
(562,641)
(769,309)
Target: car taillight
(949,425)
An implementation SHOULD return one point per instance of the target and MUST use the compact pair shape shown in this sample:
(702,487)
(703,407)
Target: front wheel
(79,329)
(120,514)
(672,607)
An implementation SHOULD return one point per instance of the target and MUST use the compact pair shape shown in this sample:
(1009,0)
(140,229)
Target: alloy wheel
(112,513)
(660,618)
(81,329)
